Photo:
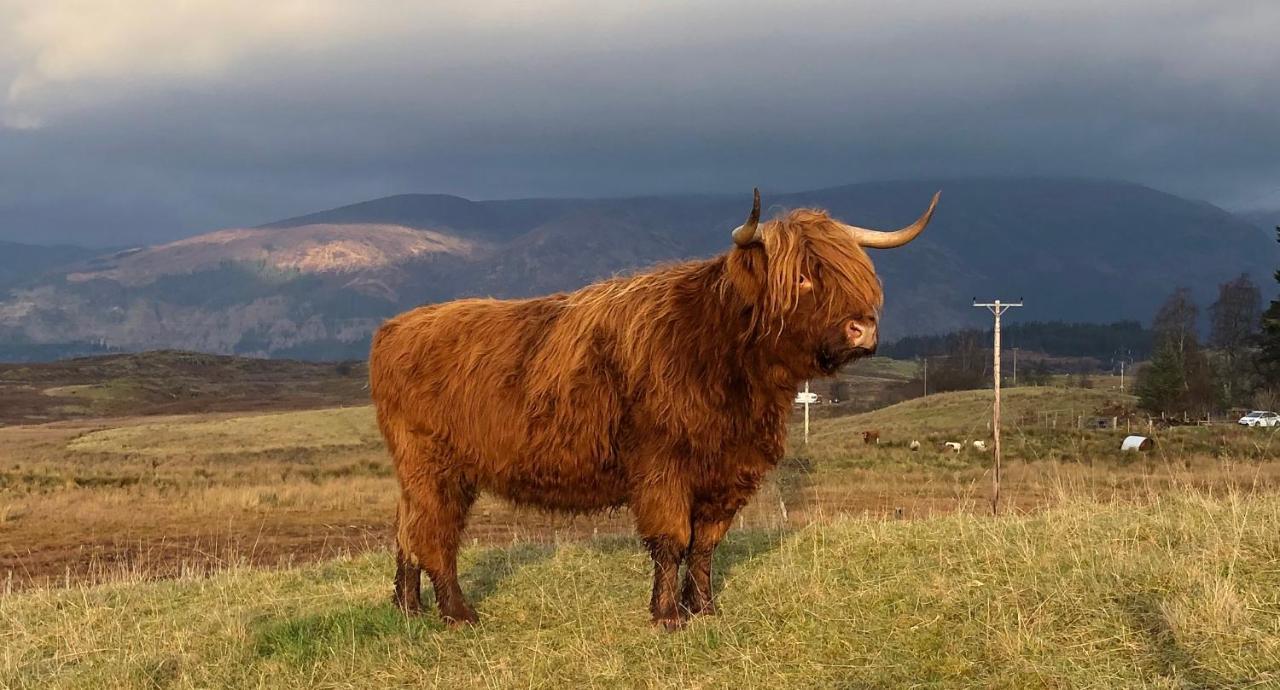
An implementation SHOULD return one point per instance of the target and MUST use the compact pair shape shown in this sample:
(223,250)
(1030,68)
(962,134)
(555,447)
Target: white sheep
(980,445)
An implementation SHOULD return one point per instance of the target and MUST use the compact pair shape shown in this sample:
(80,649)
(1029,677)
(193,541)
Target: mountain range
(1268,219)
(316,286)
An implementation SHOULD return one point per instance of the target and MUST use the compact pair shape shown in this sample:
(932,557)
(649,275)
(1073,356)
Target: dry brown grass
(857,565)
(195,492)
(1177,591)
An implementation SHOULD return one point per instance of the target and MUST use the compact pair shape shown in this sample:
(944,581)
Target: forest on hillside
(1129,340)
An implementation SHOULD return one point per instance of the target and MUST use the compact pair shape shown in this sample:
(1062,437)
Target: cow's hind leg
(431,525)
(408,592)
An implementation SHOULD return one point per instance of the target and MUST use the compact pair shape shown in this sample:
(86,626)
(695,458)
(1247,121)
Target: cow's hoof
(670,623)
(461,619)
(706,608)
(407,608)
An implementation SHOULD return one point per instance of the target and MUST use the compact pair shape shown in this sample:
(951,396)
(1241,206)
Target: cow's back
(504,388)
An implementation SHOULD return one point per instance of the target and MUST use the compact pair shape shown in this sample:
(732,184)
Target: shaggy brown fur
(870,437)
(667,391)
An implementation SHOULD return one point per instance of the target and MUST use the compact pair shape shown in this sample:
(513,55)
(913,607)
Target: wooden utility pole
(997,308)
(807,398)
(1124,356)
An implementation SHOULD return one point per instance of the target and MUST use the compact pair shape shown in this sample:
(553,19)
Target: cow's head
(810,287)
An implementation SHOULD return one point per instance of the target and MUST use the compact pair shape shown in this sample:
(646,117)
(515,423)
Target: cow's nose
(861,334)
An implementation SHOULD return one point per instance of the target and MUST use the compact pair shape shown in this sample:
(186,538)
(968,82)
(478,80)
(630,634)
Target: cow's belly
(573,486)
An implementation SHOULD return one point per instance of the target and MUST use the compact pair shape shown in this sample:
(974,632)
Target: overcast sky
(142,120)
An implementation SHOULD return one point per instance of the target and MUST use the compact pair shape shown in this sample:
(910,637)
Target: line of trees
(1268,355)
(1237,366)
(1179,379)
(965,364)
(1058,338)
(1240,367)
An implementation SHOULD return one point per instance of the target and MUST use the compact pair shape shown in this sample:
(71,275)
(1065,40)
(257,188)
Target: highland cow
(667,392)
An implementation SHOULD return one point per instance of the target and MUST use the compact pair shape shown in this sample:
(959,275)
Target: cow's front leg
(662,518)
(697,595)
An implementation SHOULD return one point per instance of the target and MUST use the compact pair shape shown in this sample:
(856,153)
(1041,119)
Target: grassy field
(1182,590)
(86,500)
(312,430)
(967,414)
(172,382)
(1040,426)
(245,544)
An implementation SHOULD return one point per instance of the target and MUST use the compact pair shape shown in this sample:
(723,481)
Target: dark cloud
(243,121)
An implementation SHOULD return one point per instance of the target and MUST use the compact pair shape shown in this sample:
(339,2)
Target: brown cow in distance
(667,391)
(871,437)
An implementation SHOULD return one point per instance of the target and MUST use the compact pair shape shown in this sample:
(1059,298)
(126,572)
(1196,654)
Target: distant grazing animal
(980,445)
(953,446)
(668,391)
(915,445)
(870,437)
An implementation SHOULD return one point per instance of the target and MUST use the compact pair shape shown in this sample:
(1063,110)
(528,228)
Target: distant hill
(490,220)
(317,285)
(1267,219)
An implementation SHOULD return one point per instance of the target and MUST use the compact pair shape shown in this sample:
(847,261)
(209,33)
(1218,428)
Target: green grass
(1039,425)
(968,413)
(837,442)
(106,392)
(1178,592)
(885,367)
(310,429)
(170,382)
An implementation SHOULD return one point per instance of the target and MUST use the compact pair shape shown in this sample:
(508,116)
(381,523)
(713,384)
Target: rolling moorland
(249,545)
(167,461)
(315,286)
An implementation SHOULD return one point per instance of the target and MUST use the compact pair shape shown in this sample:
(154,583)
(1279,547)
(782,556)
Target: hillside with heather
(316,286)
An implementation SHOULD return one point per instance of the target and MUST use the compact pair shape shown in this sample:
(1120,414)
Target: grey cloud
(576,100)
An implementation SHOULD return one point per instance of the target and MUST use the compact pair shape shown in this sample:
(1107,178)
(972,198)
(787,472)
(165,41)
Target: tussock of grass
(1179,592)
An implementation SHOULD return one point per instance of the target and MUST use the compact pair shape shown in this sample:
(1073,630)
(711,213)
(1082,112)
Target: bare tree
(1234,320)
(962,367)
(1179,378)
(1175,322)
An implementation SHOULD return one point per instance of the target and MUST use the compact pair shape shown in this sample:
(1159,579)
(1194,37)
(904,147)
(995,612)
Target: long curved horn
(749,232)
(877,239)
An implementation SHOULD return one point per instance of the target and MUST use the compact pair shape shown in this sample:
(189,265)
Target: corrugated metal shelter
(1137,443)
